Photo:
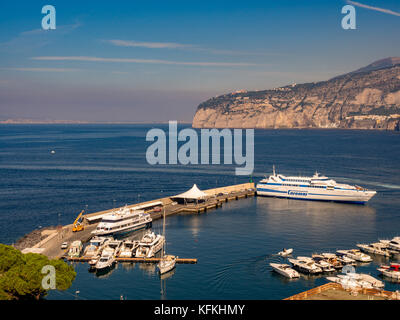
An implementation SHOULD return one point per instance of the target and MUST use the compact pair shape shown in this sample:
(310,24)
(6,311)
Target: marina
(233,243)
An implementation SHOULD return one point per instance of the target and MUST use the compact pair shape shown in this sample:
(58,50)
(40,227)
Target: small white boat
(394,243)
(357,280)
(105,262)
(95,246)
(343,259)
(128,248)
(75,249)
(167,263)
(391,271)
(112,248)
(305,266)
(285,252)
(285,270)
(356,255)
(377,248)
(149,245)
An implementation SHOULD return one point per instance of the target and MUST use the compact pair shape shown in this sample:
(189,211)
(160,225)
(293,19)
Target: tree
(21,274)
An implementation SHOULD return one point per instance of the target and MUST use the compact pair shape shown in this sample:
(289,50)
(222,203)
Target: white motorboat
(95,246)
(323,264)
(128,248)
(312,188)
(122,221)
(105,262)
(394,243)
(167,262)
(305,266)
(391,271)
(75,249)
(149,245)
(356,255)
(112,248)
(377,248)
(343,259)
(332,259)
(285,252)
(357,280)
(285,270)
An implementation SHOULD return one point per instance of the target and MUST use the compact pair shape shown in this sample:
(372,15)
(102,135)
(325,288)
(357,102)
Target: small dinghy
(285,252)
(285,270)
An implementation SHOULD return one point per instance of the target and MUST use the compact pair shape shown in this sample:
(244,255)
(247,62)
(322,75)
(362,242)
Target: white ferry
(312,188)
(123,221)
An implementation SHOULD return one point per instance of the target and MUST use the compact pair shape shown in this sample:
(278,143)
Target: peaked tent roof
(193,193)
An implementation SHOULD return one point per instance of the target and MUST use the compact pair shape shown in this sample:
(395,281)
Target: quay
(335,291)
(52,238)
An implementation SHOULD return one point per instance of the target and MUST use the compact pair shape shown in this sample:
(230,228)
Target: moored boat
(390,271)
(377,248)
(285,270)
(285,252)
(312,188)
(356,255)
(149,245)
(305,266)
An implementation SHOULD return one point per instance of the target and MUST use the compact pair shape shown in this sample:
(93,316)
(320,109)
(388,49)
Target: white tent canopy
(193,193)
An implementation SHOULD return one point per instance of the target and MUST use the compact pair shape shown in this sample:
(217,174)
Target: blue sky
(157,60)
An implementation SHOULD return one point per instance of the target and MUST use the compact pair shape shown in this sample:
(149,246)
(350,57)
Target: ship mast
(164,245)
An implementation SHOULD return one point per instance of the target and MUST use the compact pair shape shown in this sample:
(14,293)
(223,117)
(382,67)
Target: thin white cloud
(142,61)
(361,5)
(43,69)
(151,45)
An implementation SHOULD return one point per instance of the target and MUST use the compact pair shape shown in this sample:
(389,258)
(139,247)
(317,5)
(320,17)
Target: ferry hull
(358,197)
(120,233)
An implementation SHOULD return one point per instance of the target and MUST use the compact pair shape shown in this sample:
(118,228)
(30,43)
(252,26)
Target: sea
(96,167)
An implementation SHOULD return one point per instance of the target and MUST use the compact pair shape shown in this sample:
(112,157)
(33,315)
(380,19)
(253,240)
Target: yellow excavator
(78,226)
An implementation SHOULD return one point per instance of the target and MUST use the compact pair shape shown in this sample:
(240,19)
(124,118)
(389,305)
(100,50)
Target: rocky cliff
(368,98)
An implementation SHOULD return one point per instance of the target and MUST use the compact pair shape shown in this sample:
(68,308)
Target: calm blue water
(101,166)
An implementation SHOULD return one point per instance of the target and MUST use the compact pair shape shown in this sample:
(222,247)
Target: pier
(50,243)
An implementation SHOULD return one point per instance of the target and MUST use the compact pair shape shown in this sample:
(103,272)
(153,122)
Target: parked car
(64,245)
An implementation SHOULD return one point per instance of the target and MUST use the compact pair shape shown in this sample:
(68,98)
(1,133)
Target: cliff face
(358,100)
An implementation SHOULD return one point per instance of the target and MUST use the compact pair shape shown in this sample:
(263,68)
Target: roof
(193,193)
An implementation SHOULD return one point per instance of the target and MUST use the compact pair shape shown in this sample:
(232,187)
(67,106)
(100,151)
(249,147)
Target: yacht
(323,264)
(75,249)
(357,280)
(356,255)
(377,248)
(128,248)
(343,258)
(331,259)
(392,244)
(391,271)
(95,246)
(285,270)
(305,266)
(167,261)
(112,248)
(149,245)
(312,188)
(105,262)
(122,221)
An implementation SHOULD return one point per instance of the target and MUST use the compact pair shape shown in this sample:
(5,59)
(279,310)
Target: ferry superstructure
(122,221)
(312,188)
